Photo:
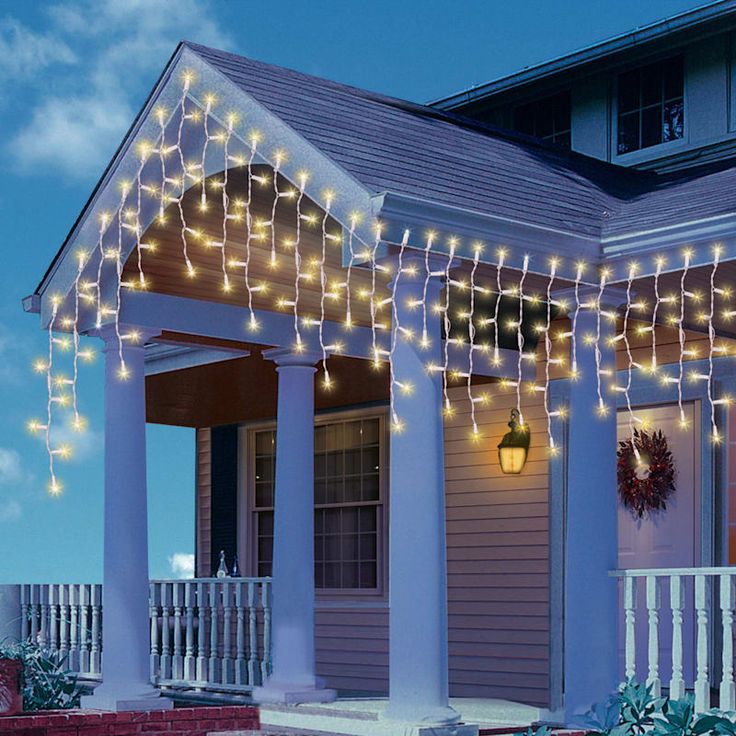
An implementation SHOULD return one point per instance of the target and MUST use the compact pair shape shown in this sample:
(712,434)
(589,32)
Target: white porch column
(126,629)
(293,678)
(418,670)
(590,528)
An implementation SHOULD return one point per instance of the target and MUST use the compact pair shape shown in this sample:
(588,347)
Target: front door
(667,538)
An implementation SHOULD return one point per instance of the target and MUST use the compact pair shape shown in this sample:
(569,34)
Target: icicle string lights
(256,235)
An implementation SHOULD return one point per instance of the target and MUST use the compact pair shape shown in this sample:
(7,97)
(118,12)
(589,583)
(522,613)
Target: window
(651,105)
(548,119)
(348,482)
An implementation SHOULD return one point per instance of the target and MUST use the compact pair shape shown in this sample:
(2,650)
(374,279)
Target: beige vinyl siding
(498,570)
(203,507)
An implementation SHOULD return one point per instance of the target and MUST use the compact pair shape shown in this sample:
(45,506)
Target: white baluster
(252,633)
(95,654)
(214,670)
(227,634)
(178,659)
(25,612)
(189,661)
(64,623)
(241,674)
(74,626)
(166,665)
(84,632)
(266,605)
(677,604)
(202,632)
(53,643)
(155,657)
(702,684)
(727,689)
(35,612)
(630,624)
(653,603)
(43,632)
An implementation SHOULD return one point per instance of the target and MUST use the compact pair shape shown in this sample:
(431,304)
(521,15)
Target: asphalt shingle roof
(397,146)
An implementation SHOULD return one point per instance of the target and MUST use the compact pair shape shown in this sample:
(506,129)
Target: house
(443,277)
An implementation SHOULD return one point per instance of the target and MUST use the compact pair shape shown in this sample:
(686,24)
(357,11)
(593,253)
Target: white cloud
(24,53)
(11,469)
(83,444)
(124,45)
(182,564)
(9,511)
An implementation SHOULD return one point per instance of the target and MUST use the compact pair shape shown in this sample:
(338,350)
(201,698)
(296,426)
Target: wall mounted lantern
(514,447)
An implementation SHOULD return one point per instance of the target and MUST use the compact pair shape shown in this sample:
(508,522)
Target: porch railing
(686,614)
(206,633)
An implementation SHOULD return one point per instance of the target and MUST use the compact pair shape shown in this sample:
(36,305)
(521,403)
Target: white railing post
(252,633)
(74,628)
(202,610)
(95,666)
(702,683)
(727,689)
(84,632)
(266,606)
(215,669)
(190,671)
(227,633)
(241,674)
(630,623)
(35,614)
(155,664)
(54,644)
(653,604)
(677,604)
(43,631)
(166,667)
(64,635)
(25,612)
(177,665)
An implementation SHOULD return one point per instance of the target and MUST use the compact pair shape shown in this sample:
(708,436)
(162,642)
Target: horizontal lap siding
(498,568)
(497,556)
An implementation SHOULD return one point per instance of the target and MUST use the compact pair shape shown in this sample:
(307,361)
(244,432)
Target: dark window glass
(548,119)
(346,498)
(651,105)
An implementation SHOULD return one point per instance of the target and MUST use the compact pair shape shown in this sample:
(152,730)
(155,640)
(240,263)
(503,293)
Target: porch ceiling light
(514,447)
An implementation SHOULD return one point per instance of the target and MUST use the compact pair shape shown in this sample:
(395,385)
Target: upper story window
(548,119)
(651,105)
(348,502)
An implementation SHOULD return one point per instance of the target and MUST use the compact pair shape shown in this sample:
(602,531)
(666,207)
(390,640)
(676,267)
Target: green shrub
(47,684)
(634,710)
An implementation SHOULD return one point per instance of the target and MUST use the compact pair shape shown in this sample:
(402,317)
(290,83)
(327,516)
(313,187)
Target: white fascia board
(166,357)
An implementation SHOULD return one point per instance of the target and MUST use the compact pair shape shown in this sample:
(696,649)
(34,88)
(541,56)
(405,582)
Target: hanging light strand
(396,334)
(681,338)
(602,409)
(520,338)
(548,351)
(471,341)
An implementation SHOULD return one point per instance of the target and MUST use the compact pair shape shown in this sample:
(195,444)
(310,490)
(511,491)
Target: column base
(121,697)
(292,694)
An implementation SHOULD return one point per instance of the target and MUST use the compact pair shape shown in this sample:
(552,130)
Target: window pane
(370,431)
(352,488)
(265,443)
(264,495)
(371,487)
(368,575)
(651,85)
(651,126)
(350,575)
(628,132)
(673,78)
(350,547)
(367,547)
(367,519)
(548,118)
(352,461)
(628,92)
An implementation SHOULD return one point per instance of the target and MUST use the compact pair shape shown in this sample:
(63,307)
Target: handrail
(666,571)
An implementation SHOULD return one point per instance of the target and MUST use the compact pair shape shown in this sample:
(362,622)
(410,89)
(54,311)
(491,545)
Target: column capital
(612,298)
(109,334)
(292,357)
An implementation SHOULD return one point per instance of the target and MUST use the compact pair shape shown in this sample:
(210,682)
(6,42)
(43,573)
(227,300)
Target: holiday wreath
(646,472)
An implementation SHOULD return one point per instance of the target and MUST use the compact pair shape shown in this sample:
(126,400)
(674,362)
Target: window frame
(248,513)
(658,149)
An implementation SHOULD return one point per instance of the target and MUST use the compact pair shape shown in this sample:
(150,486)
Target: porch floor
(361,716)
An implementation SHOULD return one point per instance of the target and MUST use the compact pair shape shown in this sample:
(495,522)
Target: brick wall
(176,722)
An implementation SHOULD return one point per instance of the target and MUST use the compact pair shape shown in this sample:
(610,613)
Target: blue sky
(72,77)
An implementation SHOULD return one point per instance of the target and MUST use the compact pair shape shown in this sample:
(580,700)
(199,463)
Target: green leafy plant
(47,684)
(541,731)
(634,711)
